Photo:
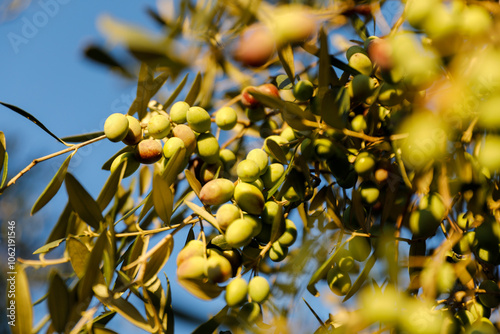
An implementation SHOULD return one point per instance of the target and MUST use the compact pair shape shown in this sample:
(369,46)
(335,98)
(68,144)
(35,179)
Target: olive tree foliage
(353,143)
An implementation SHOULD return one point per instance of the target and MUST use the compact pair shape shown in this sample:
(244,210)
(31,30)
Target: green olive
(159,126)
(198,119)
(116,127)
(178,112)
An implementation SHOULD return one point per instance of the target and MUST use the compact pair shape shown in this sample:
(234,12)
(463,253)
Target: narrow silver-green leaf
(109,162)
(58,302)
(277,152)
(193,182)
(174,166)
(51,245)
(323,270)
(297,118)
(53,187)
(203,214)
(213,323)
(158,259)
(83,204)
(93,274)
(61,227)
(135,251)
(194,91)
(361,278)
(110,188)
(78,255)
(176,92)
(82,137)
(201,289)
(144,179)
(22,320)
(285,54)
(141,101)
(129,312)
(33,119)
(163,199)
(3,150)
(5,169)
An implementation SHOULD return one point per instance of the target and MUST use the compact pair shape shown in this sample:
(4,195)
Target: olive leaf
(132,254)
(53,187)
(109,162)
(276,152)
(83,204)
(194,90)
(176,92)
(22,301)
(211,325)
(78,255)
(321,272)
(163,199)
(361,278)
(193,182)
(144,179)
(200,211)
(58,301)
(93,274)
(110,188)
(158,259)
(61,227)
(285,55)
(48,247)
(83,137)
(3,158)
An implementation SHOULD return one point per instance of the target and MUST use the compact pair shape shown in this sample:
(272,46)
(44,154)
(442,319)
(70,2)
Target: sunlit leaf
(129,312)
(175,166)
(201,289)
(53,187)
(51,245)
(109,162)
(83,137)
(361,278)
(200,211)
(321,272)
(278,184)
(176,92)
(58,302)
(163,199)
(110,188)
(142,98)
(22,300)
(78,255)
(211,325)
(144,179)
(193,182)
(93,274)
(102,330)
(83,204)
(318,199)
(132,254)
(5,169)
(276,152)
(285,54)
(103,57)
(158,259)
(297,118)
(194,90)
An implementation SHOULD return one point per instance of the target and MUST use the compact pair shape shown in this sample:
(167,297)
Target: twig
(47,157)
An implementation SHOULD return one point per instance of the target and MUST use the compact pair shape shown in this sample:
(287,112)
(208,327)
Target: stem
(47,157)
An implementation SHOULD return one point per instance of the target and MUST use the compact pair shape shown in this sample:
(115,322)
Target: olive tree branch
(47,157)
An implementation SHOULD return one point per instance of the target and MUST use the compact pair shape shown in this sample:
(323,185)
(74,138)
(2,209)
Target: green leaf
(324,66)
(297,118)
(318,199)
(148,204)
(78,255)
(82,137)
(211,325)
(93,274)
(144,179)
(142,98)
(361,278)
(135,250)
(278,226)
(285,54)
(175,93)
(278,184)
(33,119)
(174,166)
(203,214)
(61,227)
(110,188)
(83,204)
(109,162)
(3,151)
(277,152)
(158,259)
(108,267)
(47,247)
(58,302)
(193,181)
(53,187)
(163,199)
(22,301)
(101,56)
(102,330)
(330,109)
(323,270)
(129,312)
(201,289)
(194,91)
(5,169)
(268,100)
